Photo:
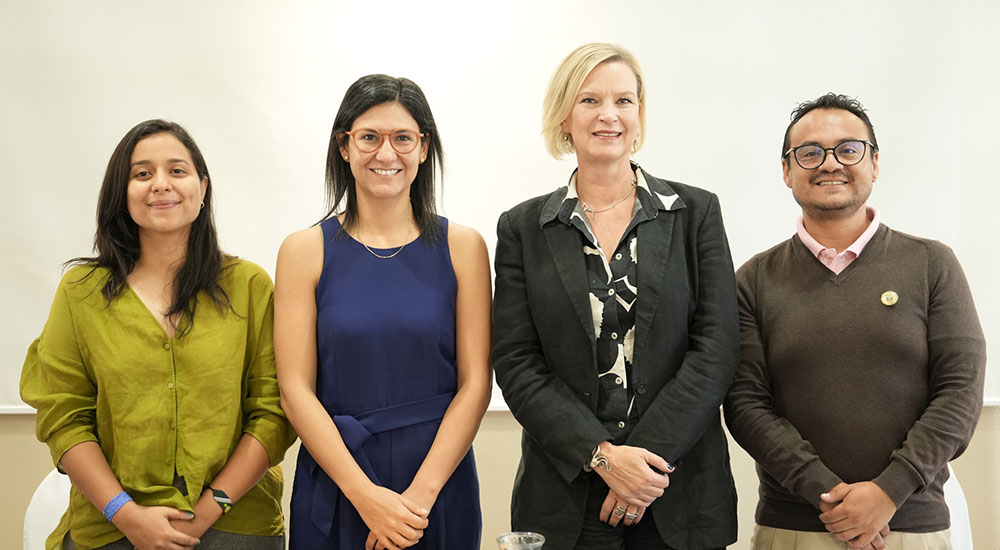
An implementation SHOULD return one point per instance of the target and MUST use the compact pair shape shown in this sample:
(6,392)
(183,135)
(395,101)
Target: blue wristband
(115,504)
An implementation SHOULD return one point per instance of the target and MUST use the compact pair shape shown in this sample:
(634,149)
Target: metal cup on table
(520,540)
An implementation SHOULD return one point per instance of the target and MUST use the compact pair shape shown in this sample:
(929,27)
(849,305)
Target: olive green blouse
(159,405)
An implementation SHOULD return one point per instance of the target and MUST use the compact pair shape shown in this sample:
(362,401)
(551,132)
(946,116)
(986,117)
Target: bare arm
(248,463)
(300,262)
(472,334)
(146,527)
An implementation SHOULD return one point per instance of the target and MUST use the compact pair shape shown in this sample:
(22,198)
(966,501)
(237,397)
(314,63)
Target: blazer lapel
(564,244)
(654,240)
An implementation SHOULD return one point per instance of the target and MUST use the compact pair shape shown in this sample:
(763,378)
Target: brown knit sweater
(834,385)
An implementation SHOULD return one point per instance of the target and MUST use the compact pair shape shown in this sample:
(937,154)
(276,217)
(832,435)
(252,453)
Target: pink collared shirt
(828,256)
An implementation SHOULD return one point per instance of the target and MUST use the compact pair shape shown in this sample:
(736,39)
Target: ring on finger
(630,516)
(619,510)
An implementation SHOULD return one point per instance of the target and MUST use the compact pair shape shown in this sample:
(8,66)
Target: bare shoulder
(468,251)
(302,251)
(464,240)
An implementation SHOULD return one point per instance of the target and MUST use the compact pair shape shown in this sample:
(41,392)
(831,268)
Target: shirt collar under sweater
(828,256)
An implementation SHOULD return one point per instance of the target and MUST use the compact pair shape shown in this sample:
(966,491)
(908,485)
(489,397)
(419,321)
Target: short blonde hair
(566,83)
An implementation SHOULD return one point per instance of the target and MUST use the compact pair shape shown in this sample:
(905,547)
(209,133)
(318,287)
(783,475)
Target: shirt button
(618,380)
(614,335)
(170,386)
(621,425)
(172,426)
(611,292)
(618,256)
(166,345)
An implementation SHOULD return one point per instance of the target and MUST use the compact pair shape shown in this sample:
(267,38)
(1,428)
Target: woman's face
(164,192)
(604,122)
(384,172)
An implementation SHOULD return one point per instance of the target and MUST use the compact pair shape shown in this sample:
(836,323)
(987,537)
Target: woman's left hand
(206,513)
(615,510)
(424,498)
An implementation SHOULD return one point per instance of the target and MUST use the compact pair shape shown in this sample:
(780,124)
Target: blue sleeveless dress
(385,333)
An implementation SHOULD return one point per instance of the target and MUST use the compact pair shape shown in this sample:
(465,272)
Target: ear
(424,145)
(344,153)
(874,167)
(566,127)
(204,188)
(786,173)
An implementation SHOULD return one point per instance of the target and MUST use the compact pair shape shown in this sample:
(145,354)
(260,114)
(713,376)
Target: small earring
(566,138)
(346,159)
(422,159)
(202,205)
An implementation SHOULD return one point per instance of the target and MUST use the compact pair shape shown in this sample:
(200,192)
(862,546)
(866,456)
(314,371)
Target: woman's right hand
(394,520)
(148,527)
(632,476)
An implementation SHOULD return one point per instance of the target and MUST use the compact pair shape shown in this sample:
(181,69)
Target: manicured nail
(190,515)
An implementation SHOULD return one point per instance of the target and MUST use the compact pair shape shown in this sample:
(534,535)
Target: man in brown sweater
(863,359)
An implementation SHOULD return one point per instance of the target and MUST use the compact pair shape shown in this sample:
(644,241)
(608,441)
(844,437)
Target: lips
(607,134)
(830,178)
(163,204)
(386,171)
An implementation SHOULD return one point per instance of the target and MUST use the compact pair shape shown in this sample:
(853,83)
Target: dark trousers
(597,535)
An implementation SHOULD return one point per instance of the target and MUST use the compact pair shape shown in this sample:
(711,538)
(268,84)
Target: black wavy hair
(830,100)
(116,241)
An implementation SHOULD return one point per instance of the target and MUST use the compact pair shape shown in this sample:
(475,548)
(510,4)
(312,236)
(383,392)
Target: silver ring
(619,510)
(630,516)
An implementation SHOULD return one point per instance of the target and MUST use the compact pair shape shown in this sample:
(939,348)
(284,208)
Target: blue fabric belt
(355,431)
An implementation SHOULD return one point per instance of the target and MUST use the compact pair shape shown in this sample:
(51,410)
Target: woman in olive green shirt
(154,376)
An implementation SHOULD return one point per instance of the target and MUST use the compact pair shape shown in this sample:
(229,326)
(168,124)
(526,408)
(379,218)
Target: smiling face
(832,191)
(604,120)
(384,173)
(164,191)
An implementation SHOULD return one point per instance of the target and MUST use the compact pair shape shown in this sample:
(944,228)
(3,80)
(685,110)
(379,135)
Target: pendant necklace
(586,207)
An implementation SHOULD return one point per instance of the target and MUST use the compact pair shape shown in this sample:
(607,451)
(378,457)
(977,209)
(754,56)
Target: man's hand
(857,513)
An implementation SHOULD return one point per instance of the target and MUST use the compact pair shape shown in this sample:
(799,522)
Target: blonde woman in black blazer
(615,333)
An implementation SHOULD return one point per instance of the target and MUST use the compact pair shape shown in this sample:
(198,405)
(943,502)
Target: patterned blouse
(613,295)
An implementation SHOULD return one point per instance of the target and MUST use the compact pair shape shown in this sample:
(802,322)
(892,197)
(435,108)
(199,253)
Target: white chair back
(961,528)
(47,505)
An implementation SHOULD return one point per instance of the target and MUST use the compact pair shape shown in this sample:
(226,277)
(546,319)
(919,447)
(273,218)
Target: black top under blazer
(686,353)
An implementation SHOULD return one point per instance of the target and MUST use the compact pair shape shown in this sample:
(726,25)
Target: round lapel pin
(889,298)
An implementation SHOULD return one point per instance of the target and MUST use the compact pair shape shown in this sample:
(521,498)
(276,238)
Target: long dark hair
(117,239)
(365,93)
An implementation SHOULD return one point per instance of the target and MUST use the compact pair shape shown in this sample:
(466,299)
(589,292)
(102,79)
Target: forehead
(613,75)
(386,116)
(162,145)
(827,127)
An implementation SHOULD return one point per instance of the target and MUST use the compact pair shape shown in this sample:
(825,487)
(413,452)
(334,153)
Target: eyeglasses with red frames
(402,140)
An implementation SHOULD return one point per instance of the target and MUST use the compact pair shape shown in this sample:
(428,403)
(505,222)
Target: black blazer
(686,352)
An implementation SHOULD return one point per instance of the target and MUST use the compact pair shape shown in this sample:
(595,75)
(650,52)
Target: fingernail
(190,515)
(670,467)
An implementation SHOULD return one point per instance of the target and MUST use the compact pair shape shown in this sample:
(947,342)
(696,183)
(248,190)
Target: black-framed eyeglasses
(402,140)
(847,153)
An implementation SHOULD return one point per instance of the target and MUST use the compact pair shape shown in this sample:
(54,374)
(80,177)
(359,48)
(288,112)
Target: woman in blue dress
(382,333)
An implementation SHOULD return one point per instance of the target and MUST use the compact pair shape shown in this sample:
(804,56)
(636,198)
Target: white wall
(258,86)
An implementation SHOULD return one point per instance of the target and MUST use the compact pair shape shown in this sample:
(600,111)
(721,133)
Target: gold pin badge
(889,298)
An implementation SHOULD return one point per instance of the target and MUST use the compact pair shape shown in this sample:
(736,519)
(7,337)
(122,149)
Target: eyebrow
(845,140)
(148,162)
(616,93)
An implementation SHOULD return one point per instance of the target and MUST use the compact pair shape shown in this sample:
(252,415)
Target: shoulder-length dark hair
(365,93)
(117,239)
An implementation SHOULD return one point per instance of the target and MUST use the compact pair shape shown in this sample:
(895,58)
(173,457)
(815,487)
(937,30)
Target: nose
(161,182)
(608,113)
(385,150)
(830,162)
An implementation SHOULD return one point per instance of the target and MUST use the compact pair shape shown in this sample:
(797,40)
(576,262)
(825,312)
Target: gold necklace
(586,207)
(380,256)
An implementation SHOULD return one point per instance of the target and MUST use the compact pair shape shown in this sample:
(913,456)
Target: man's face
(831,191)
